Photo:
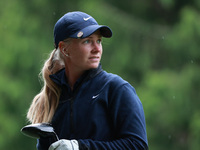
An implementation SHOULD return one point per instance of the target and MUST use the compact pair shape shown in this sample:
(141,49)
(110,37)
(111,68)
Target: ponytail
(45,103)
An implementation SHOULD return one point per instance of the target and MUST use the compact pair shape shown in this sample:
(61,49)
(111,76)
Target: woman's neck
(73,76)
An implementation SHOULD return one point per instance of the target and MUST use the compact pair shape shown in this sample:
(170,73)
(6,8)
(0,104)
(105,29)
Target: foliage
(154,46)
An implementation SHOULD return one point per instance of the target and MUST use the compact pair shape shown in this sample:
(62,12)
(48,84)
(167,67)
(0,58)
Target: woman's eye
(99,41)
(86,41)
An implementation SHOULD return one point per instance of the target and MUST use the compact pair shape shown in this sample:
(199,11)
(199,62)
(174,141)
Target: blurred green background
(155,46)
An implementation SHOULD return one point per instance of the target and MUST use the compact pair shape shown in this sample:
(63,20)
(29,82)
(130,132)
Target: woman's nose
(97,46)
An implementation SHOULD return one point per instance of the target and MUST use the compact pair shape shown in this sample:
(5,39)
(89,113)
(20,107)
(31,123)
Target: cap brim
(104,30)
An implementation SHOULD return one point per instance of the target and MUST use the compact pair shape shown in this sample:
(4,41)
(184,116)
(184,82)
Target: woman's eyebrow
(99,36)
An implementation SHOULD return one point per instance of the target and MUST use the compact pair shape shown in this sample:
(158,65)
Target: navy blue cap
(78,25)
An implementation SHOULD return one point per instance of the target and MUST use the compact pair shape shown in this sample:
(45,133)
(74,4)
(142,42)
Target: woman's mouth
(94,58)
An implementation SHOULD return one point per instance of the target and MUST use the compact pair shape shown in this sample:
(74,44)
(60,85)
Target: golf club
(40,130)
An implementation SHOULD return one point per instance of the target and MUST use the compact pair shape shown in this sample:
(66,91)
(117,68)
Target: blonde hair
(45,103)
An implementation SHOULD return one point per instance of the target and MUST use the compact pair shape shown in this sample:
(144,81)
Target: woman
(88,107)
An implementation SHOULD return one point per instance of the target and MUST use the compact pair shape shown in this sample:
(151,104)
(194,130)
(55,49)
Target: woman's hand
(65,145)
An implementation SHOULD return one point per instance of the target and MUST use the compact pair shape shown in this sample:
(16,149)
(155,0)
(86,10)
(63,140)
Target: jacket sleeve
(128,120)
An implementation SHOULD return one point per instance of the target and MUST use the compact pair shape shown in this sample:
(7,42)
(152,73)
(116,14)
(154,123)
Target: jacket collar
(60,78)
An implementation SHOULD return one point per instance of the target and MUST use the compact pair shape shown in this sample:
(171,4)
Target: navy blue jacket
(102,112)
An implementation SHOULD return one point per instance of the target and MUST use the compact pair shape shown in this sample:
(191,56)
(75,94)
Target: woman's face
(85,53)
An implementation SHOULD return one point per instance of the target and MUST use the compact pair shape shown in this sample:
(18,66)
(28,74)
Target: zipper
(71,115)
(74,95)
(71,106)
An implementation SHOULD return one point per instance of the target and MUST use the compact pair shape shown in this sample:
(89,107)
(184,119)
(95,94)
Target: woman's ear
(62,48)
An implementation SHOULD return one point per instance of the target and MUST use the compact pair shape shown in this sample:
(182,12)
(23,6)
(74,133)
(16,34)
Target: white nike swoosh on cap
(95,96)
(86,19)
